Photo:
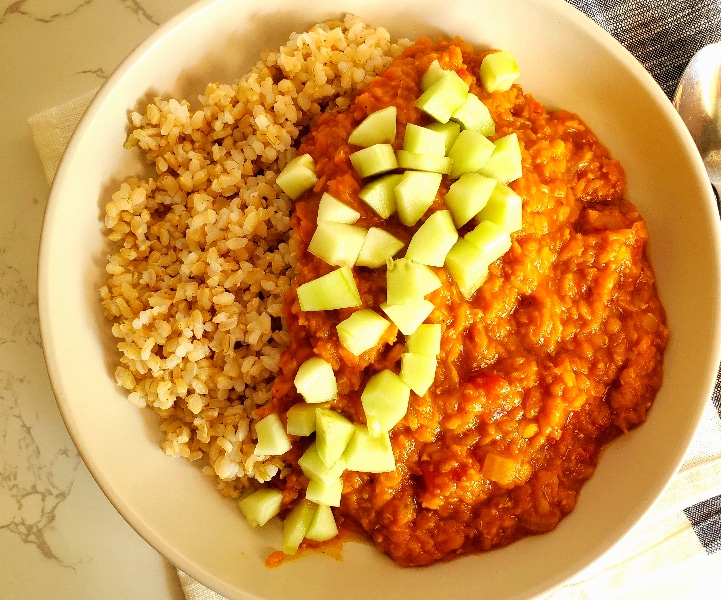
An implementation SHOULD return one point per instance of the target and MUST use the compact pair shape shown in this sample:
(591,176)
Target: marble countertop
(59,536)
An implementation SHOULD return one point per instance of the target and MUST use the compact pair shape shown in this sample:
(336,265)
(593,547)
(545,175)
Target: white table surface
(59,536)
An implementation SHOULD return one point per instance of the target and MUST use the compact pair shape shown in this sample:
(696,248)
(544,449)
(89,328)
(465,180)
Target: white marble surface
(59,536)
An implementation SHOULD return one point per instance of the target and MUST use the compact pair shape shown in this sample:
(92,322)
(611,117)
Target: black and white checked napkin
(686,522)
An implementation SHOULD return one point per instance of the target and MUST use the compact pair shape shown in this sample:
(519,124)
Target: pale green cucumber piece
(314,468)
(326,492)
(385,401)
(499,71)
(425,340)
(337,244)
(301,418)
(443,97)
(408,280)
(361,331)
(260,506)
(415,193)
(418,371)
(505,164)
(374,160)
(467,266)
(473,114)
(433,239)
(332,433)
(378,248)
(323,526)
(467,196)
(379,127)
(332,209)
(424,162)
(421,140)
(296,525)
(331,291)
(272,438)
(504,208)
(432,74)
(315,381)
(298,176)
(369,454)
(380,194)
(450,130)
(407,317)
(491,239)
(470,152)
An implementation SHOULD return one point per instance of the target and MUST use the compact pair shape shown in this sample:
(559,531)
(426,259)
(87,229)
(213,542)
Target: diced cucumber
(323,526)
(301,419)
(467,196)
(380,194)
(379,127)
(385,401)
(425,340)
(331,291)
(408,316)
(505,164)
(433,239)
(374,160)
(296,525)
(333,431)
(504,208)
(361,331)
(314,468)
(443,97)
(421,140)
(418,371)
(332,209)
(415,193)
(378,247)
(325,491)
(260,506)
(473,114)
(272,438)
(469,152)
(315,381)
(337,244)
(450,130)
(298,176)
(408,280)
(424,162)
(432,74)
(491,239)
(499,71)
(369,454)
(467,266)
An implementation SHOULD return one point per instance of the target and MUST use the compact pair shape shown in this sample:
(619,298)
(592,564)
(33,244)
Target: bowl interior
(566,61)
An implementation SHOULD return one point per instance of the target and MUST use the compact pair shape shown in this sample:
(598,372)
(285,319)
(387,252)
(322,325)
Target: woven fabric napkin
(686,521)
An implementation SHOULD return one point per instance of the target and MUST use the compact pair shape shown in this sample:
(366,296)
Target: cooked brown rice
(204,257)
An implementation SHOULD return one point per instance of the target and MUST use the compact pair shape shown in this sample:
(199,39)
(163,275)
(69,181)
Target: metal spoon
(698,101)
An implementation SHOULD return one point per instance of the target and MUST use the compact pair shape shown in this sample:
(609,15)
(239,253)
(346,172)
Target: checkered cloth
(686,522)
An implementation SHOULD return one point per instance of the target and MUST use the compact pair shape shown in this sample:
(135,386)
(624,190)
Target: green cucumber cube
(332,209)
(408,280)
(504,208)
(433,239)
(379,127)
(333,431)
(272,438)
(301,419)
(444,97)
(385,401)
(418,371)
(323,526)
(260,506)
(296,525)
(369,454)
(490,238)
(327,492)
(374,160)
(432,74)
(361,331)
(468,266)
(378,248)
(424,162)
(415,193)
(337,244)
(298,176)
(380,194)
(315,381)
(313,466)
(331,291)
(425,340)
(409,315)
(450,130)
(467,196)
(473,114)
(470,152)
(421,140)
(505,164)
(499,71)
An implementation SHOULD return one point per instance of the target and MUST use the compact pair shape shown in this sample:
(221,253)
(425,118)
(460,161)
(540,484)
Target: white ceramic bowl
(566,62)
